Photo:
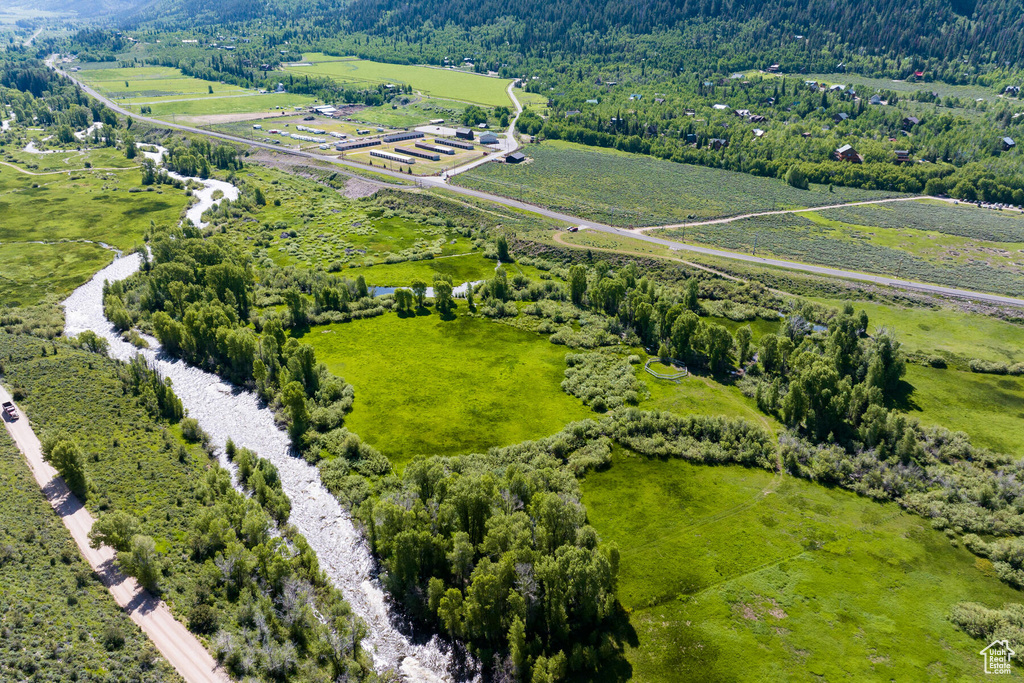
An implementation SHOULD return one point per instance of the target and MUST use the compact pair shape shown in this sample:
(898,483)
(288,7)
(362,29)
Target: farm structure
(401,137)
(464,133)
(454,143)
(391,156)
(349,146)
(418,153)
(435,148)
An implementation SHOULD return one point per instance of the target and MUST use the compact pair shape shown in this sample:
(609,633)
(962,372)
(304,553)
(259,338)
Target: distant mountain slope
(944,29)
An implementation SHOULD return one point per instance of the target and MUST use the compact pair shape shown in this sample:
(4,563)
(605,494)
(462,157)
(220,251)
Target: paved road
(575,220)
(178,646)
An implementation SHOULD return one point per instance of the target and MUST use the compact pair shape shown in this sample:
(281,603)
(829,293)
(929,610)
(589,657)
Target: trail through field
(178,646)
(730,219)
(62,171)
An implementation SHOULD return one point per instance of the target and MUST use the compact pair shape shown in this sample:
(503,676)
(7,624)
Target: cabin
(691,138)
(848,153)
(875,99)
(515,158)
(902,156)
(840,117)
(1008,144)
(910,121)
(718,143)
(773,69)
(464,133)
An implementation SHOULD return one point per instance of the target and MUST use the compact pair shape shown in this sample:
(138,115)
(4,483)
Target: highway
(441,182)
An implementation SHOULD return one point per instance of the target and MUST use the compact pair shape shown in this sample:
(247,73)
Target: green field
(85,206)
(428,386)
(955,335)
(631,189)
(56,618)
(169,92)
(466,268)
(30,273)
(443,83)
(989,408)
(803,582)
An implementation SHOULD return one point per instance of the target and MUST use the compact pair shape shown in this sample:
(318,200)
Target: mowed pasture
(444,83)
(443,387)
(805,582)
(169,92)
(625,189)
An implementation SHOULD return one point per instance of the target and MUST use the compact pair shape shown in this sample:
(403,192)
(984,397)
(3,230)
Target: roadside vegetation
(57,619)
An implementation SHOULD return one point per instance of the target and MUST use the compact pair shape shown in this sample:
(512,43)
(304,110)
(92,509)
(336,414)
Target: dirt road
(178,646)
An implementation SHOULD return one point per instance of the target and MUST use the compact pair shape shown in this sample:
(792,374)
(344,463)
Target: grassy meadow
(169,92)
(58,621)
(443,83)
(802,581)
(989,408)
(31,273)
(430,386)
(625,189)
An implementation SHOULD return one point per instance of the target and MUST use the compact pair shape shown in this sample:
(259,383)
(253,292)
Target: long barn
(391,156)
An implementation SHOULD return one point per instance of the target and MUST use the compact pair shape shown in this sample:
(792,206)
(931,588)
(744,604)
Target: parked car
(9,410)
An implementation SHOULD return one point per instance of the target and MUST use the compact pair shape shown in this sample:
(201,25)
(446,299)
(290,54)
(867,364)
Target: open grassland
(910,253)
(701,395)
(246,104)
(68,160)
(442,387)
(935,215)
(631,189)
(31,273)
(58,621)
(90,206)
(169,92)
(989,408)
(809,583)
(444,83)
(952,334)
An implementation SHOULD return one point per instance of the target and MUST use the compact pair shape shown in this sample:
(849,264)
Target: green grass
(732,574)
(698,394)
(952,334)
(54,613)
(229,105)
(989,408)
(631,189)
(443,83)
(415,113)
(86,206)
(71,160)
(428,386)
(31,273)
(466,268)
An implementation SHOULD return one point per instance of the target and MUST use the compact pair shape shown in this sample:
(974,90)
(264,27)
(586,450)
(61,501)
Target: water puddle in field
(227,412)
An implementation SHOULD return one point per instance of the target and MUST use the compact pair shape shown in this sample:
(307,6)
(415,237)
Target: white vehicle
(257,126)
(10,411)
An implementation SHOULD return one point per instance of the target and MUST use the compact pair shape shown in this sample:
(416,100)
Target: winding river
(227,412)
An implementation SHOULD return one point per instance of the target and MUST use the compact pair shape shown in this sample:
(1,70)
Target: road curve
(573,220)
(178,646)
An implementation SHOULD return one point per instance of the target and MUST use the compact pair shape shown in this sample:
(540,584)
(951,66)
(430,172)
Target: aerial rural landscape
(460,342)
